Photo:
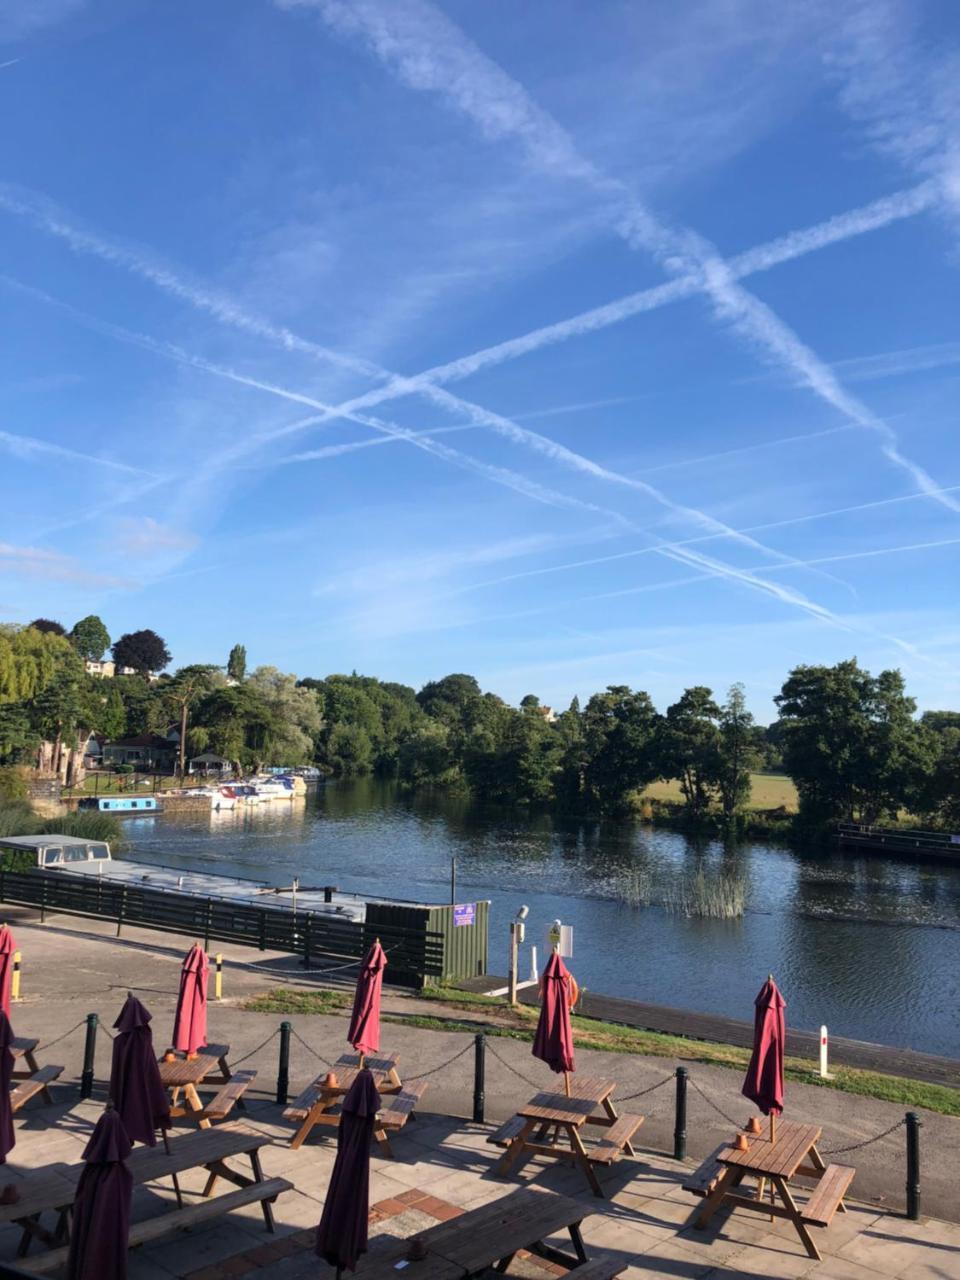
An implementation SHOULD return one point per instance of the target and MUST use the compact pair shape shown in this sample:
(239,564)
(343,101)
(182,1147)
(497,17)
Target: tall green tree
(237,662)
(737,752)
(690,744)
(90,638)
(850,742)
(622,745)
(144,651)
(186,688)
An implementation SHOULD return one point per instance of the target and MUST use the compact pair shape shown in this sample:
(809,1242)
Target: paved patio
(444,1165)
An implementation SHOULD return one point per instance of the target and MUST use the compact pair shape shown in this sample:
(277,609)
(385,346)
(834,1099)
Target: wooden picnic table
(52,1191)
(25,1048)
(315,1105)
(491,1235)
(541,1126)
(35,1079)
(184,1074)
(793,1154)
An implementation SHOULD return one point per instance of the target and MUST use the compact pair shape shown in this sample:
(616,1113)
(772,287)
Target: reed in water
(719,896)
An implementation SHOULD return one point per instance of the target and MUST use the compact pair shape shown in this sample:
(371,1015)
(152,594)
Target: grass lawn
(590,1033)
(767,791)
(112,784)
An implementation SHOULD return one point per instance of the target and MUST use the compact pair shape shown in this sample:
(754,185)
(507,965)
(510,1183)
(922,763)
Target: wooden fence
(928,844)
(415,956)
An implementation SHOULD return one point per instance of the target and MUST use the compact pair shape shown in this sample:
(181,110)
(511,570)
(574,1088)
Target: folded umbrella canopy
(101,1207)
(342,1233)
(136,1089)
(8,946)
(364,1032)
(553,1041)
(763,1083)
(190,1021)
(7,1137)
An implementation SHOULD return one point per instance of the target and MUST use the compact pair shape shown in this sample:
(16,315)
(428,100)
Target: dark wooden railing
(934,844)
(414,955)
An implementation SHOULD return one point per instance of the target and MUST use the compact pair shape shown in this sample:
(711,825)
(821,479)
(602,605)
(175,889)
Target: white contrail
(43,214)
(498,475)
(705,537)
(747,448)
(430,53)
(873,551)
(484,417)
(24,446)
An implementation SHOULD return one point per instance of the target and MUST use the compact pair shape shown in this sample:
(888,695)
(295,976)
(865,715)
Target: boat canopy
(56,850)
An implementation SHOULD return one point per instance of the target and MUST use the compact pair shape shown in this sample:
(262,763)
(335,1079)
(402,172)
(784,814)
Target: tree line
(851,741)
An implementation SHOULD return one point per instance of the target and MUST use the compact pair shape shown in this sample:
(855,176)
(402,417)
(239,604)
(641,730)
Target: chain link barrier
(867,1142)
(443,1065)
(237,1061)
(309,1048)
(50,1043)
(537,1084)
(737,1124)
(642,1093)
(293,974)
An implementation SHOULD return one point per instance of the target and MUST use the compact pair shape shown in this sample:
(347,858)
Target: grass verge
(590,1033)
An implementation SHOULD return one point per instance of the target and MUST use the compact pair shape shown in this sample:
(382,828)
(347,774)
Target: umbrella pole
(773,1128)
(566,1083)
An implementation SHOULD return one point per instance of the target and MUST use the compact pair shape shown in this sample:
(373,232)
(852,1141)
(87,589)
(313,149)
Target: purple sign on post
(464,913)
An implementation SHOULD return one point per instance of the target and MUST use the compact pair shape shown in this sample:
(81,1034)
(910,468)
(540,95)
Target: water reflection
(871,948)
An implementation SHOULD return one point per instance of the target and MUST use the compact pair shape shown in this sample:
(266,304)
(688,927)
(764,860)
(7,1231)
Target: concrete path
(72,967)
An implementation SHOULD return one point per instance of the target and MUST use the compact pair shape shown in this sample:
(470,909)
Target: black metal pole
(479,1076)
(453,881)
(89,1047)
(283,1067)
(913,1166)
(680,1121)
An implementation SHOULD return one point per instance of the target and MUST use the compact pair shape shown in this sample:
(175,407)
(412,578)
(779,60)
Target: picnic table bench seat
(703,1180)
(828,1195)
(169,1224)
(22,1092)
(507,1132)
(602,1266)
(399,1107)
(220,1106)
(300,1108)
(615,1140)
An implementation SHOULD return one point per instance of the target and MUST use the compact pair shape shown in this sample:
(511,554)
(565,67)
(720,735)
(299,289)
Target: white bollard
(824,1072)
(534,976)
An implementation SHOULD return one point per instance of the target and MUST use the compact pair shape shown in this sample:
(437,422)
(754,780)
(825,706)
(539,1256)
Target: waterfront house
(209,762)
(148,752)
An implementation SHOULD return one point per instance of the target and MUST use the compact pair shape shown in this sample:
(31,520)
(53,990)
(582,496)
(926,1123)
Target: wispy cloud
(892,364)
(428,52)
(27,447)
(900,88)
(20,20)
(38,562)
(145,536)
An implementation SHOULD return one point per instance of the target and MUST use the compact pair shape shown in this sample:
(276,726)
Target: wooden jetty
(858,838)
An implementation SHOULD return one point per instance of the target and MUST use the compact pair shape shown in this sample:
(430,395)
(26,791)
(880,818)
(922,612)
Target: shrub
(17,819)
(88,826)
(13,785)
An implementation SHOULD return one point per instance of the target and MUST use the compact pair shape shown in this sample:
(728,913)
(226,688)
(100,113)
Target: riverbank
(72,967)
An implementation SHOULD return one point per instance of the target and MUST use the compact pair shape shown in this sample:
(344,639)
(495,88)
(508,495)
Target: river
(867,946)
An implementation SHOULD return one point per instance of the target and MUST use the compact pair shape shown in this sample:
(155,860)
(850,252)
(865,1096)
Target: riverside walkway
(927,1067)
(72,967)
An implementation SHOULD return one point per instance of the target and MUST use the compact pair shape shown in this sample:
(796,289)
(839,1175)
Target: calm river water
(869,947)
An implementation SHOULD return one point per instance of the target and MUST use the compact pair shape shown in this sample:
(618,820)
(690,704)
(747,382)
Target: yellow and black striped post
(15,979)
(218,977)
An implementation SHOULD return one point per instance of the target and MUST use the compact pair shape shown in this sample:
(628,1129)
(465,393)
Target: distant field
(767,791)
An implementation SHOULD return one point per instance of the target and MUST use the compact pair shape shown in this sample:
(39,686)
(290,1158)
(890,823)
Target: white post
(512,973)
(824,1072)
(534,975)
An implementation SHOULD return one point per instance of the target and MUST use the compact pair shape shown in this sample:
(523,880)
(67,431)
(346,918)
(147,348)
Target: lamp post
(517,931)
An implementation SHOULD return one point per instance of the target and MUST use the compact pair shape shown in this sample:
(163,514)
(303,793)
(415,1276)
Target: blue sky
(564,344)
